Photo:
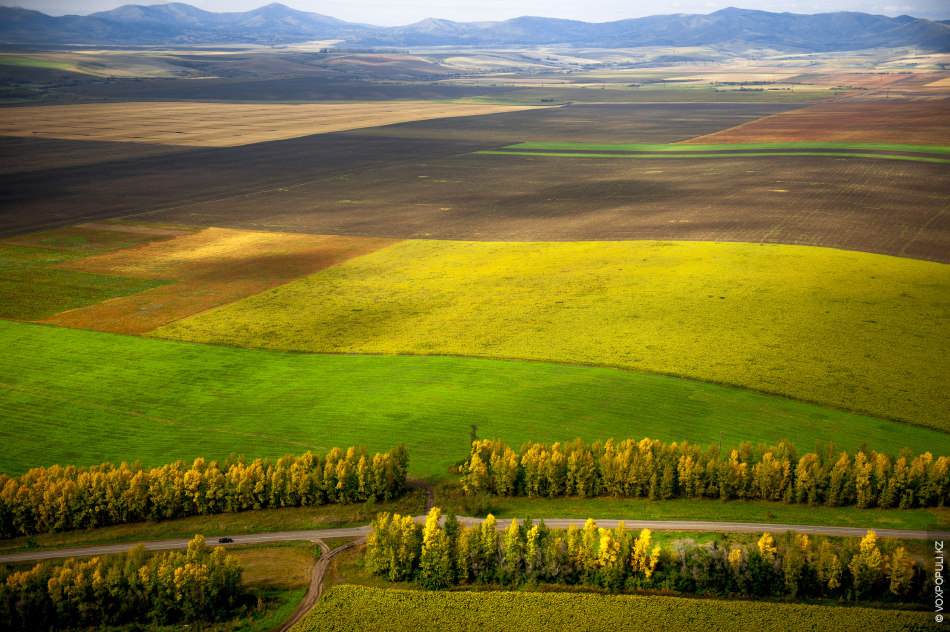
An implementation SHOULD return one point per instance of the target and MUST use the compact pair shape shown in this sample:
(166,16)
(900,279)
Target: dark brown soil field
(51,183)
(420,180)
(880,121)
(883,206)
(22,155)
(281,89)
(52,197)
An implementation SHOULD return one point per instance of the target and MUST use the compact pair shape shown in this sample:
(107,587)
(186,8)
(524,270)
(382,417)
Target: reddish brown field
(880,121)
(213,267)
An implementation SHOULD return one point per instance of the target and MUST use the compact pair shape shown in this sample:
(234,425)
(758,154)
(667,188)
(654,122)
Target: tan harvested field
(219,124)
(212,267)
(881,121)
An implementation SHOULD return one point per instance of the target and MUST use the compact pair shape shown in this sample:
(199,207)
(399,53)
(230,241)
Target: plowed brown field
(881,121)
(893,207)
(212,267)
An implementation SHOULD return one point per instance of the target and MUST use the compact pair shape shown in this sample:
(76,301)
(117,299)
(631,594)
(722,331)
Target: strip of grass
(853,330)
(32,62)
(361,608)
(260,521)
(80,397)
(926,149)
(825,154)
(699,510)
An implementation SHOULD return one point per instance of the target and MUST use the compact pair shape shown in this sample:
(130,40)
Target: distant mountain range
(183,24)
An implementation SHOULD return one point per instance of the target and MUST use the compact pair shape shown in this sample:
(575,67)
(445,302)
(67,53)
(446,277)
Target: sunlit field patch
(846,329)
(205,269)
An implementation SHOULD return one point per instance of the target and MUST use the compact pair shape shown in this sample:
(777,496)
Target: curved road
(560,523)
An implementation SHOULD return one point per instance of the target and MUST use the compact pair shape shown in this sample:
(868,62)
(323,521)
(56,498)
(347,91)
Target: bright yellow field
(220,124)
(853,330)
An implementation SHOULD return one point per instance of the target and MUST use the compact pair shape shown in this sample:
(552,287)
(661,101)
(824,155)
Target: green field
(32,62)
(81,397)
(364,608)
(506,508)
(32,287)
(825,154)
(852,330)
(829,150)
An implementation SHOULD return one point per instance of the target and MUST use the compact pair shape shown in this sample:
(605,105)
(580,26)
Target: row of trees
(63,498)
(796,566)
(652,469)
(198,585)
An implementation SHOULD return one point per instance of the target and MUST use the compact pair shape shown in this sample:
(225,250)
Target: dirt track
(315,590)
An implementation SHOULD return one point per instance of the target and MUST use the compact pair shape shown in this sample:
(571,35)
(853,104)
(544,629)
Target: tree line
(440,556)
(175,587)
(656,470)
(62,498)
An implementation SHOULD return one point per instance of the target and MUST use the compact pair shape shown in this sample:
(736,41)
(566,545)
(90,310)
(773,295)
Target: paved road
(561,523)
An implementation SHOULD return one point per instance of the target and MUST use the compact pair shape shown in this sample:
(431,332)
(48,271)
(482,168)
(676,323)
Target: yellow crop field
(852,330)
(220,124)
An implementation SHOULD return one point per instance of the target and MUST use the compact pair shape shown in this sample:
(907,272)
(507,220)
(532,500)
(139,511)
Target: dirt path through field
(315,590)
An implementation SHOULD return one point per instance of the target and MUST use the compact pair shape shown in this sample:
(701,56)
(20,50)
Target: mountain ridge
(179,23)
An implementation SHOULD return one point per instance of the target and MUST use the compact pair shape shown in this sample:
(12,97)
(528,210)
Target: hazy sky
(400,12)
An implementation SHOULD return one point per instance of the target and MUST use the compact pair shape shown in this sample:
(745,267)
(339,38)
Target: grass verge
(449,498)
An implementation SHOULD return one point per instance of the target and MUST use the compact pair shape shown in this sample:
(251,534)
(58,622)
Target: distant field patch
(881,121)
(219,124)
(34,62)
(202,270)
(852,330)
(83,397)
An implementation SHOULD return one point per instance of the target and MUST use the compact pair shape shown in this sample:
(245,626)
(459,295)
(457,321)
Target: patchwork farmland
(741,265)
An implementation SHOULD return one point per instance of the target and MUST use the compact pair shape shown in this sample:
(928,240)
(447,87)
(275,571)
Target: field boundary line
(34,391)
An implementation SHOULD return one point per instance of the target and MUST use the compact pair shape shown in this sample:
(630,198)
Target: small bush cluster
(655,470)
(63,498)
